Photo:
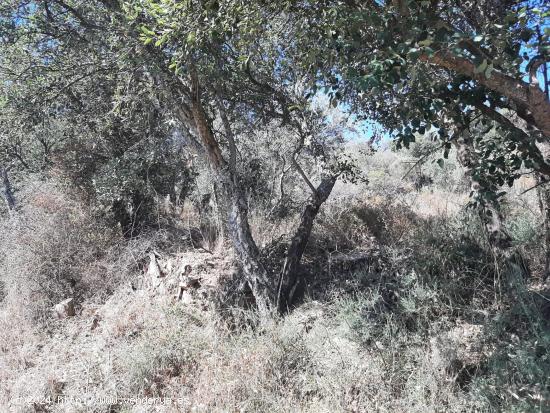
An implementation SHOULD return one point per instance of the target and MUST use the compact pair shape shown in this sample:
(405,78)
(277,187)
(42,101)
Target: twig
(422,159)
(533,187)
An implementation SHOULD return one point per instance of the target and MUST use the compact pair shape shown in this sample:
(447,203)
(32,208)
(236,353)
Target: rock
(183,270)
(65,308)
(153,272)
(186,297)
(188,283)
(95,322)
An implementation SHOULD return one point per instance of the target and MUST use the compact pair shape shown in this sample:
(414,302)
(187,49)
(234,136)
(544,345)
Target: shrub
(54,248)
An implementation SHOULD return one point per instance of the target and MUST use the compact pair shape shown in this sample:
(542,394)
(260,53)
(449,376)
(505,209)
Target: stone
(65,308)
(186,297)
(95,322)
(154,270)
(188,283)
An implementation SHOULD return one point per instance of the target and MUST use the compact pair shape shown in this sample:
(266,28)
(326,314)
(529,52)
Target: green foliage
(109,95)
(388,63)
(524,228)
(100,123)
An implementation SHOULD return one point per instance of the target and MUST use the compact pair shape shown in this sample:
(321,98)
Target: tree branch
(526,140)
(229,135)
(303,175)
(517,91)
(75,13)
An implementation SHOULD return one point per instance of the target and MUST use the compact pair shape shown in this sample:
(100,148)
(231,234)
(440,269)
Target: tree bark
(7,191)
(525,95)
(290,273)
(488,209)
(234,203)
(544,197)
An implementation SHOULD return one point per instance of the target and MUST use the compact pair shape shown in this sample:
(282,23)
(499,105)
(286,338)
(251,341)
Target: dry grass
(54,249)
(417,327)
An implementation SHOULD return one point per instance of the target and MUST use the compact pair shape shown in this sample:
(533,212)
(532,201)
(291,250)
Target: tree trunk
(7,191)
(489,210)
(544,197)
(247,251)
(234,203)
(191,114)
(290,274)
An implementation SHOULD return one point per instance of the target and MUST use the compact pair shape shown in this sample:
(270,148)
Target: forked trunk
(247,251)
(233,201)
(234,204)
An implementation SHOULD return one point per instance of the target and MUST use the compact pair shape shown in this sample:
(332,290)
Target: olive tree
(216,71)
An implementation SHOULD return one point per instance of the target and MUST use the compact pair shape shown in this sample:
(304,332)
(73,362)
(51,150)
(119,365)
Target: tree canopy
(112,90)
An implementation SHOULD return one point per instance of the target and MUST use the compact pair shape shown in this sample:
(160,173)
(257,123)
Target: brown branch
(516,90)
(532,69)
(75,13)
(541,183)
(279,96)
(527,141)
(202,125)
(229,135)
(303,175)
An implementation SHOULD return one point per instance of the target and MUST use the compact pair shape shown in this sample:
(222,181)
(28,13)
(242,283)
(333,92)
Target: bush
(54,248)
(516,375)
(311,361)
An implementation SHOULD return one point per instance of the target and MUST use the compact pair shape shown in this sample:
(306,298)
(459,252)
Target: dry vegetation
(285,206)
(404,310)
